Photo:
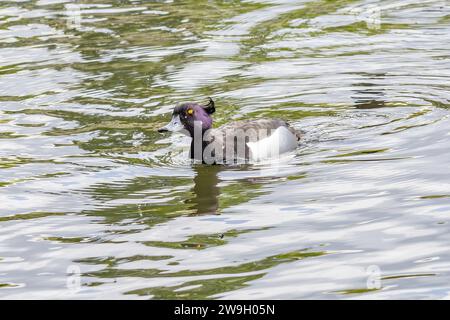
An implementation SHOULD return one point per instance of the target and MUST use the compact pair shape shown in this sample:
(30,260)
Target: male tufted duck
(238,141)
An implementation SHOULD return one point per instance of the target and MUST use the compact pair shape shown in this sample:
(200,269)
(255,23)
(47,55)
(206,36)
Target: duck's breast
(281,140)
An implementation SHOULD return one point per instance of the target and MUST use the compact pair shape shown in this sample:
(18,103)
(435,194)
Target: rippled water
(91,194)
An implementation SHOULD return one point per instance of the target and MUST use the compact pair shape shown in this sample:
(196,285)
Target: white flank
(280,141)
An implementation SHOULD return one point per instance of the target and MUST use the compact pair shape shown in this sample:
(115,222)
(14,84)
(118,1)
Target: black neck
(197,154)
(201,145)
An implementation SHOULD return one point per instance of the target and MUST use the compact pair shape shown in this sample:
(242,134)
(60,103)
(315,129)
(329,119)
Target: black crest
(210,107)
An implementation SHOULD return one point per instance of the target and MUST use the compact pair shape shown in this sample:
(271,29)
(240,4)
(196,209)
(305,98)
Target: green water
(94,203)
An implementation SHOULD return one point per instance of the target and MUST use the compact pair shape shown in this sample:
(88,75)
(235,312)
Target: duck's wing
(263,126)
(255,139)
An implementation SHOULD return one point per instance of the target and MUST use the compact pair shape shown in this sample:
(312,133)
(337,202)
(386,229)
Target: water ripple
(87,184)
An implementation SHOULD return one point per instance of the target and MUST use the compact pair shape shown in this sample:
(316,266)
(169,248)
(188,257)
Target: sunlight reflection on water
(86,182)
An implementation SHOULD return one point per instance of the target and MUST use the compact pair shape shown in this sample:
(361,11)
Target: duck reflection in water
(206,191)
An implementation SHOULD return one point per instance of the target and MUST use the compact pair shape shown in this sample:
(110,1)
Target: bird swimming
(237,141)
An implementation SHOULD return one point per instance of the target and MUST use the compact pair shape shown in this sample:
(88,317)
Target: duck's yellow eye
(190,112)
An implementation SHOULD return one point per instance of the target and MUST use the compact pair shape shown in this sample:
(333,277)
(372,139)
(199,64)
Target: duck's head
(185,116)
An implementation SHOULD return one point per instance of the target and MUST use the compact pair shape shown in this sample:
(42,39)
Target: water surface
(95,204)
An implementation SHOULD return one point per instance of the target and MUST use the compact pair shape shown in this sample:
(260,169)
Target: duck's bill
(174,125)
